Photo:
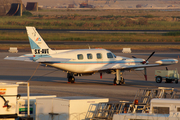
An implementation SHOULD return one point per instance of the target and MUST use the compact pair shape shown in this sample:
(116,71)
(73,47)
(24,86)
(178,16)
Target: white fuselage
(84,60)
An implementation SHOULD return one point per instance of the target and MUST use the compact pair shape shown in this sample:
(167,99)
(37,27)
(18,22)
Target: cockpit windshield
(114,55)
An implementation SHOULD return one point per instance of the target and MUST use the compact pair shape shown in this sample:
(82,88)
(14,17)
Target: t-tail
(38,46)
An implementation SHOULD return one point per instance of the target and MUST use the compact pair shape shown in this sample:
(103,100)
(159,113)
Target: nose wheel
(119,80)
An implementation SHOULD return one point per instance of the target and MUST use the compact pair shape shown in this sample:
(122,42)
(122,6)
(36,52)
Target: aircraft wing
(122,67)
(115,66)
(126,67)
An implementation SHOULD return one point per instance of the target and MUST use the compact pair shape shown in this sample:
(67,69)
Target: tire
(120,82)
(71,79)
(158,79)
(176,81)
(116,82)
(168,80)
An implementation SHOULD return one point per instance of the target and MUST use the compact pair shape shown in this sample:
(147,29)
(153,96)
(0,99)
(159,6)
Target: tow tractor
(168,75)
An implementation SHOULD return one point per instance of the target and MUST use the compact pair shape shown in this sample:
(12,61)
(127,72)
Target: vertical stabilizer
(38,45)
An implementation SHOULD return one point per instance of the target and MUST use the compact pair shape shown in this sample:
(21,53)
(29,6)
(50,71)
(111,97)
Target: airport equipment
(13,49)
(66,108)
(143,97)
(168,75)
(15,106)
(106,110)
(141,103)
(126,50)
(28,94)
(160,109)
(22,106)
(8,99)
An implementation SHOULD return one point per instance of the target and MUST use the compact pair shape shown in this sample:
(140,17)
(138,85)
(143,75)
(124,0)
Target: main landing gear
(119,80)
(70,77)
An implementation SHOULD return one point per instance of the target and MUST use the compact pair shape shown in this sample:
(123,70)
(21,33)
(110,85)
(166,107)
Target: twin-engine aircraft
(81,62)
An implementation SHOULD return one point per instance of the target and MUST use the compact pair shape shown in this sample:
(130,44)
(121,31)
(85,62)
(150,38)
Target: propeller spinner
(144,62)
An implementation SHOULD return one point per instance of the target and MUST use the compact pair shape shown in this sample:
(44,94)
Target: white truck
(168,75)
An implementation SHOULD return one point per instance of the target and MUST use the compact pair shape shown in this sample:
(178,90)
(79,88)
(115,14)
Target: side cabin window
(89,56)
(109,55)
(99,56)
(161,110)
(80,56)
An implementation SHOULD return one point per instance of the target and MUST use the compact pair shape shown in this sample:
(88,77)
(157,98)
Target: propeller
(148,58)
(144,62)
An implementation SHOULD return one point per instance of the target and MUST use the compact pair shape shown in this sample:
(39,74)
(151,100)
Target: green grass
(108,22)
(125,20)
(95,37)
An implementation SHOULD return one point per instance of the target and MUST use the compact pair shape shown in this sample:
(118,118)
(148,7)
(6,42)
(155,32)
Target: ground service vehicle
(168,75)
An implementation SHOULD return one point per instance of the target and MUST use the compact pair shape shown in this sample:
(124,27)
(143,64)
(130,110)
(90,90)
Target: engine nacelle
(167,61)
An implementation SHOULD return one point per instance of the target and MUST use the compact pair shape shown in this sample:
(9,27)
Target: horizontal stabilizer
(27,59)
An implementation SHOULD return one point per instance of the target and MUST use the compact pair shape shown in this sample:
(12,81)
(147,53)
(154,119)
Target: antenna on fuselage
(89,46)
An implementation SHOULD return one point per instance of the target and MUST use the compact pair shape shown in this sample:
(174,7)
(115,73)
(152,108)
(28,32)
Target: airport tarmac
(52,81)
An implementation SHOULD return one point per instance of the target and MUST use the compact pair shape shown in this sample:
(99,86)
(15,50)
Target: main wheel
(158,79)
(71,79)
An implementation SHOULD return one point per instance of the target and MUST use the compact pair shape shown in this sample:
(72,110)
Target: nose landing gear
(119,80)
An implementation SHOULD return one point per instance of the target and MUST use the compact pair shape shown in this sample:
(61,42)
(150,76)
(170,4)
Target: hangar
(10,7)
(15,7)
